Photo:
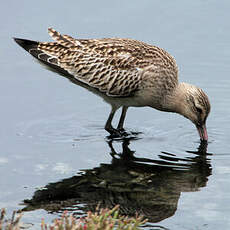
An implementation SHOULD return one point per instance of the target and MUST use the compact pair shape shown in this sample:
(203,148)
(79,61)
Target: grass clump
(101,219)
(9,224)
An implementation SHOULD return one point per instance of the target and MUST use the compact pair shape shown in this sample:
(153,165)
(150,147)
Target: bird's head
(194,104)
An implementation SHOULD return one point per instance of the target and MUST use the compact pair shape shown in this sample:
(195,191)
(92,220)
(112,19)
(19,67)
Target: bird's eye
(199,110)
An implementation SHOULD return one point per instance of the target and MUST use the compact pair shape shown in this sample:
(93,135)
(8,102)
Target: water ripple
(59,130)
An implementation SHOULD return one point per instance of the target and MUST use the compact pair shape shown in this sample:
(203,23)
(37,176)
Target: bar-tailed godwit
(125,72)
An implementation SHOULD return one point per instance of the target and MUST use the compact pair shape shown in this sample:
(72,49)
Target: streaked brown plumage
(125,72)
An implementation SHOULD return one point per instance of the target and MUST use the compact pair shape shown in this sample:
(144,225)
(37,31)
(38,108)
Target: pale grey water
(51,129)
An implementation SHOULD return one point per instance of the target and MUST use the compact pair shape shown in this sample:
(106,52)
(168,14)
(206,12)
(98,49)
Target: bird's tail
(45,55)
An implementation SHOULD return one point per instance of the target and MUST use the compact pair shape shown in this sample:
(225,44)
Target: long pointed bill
(202,132)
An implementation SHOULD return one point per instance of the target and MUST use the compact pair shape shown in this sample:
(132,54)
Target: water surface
(52,130)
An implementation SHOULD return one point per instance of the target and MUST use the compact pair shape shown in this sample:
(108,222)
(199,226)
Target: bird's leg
(108,126)
(122,119)
(121,123)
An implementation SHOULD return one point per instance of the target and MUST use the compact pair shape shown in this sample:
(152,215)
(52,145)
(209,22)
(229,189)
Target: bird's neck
(176,100)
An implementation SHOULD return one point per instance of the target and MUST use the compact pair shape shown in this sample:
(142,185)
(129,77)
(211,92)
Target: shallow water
(52,130)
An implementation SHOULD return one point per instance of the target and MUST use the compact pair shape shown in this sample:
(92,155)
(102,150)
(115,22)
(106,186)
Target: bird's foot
(135,133)
(116,133)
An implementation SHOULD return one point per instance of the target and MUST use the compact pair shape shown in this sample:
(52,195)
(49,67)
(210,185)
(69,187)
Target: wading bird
(125,72)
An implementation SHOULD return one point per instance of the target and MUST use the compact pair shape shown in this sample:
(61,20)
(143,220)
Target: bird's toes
(122,132)
(117,133)
(121,129)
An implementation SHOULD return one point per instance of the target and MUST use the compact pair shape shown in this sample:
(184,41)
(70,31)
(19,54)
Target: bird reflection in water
(145,186)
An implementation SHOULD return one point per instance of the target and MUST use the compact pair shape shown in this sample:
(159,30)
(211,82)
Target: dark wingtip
(24,43)
(18,41)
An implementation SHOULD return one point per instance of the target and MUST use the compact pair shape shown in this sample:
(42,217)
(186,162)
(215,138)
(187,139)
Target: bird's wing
(112,65)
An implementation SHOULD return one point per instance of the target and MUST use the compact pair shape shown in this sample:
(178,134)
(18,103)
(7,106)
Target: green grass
(101,219)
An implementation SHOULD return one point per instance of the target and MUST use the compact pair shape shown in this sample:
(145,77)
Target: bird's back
(112,65)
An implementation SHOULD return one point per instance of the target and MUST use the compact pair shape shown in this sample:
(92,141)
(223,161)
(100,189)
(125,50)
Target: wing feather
(111,65)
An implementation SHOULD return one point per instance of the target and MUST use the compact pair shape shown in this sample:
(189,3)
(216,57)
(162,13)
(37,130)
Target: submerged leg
(122,118)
